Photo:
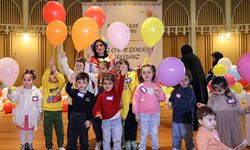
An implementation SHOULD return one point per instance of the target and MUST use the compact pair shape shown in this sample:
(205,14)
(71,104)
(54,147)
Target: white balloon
(1,106)
(242,96)
(4,91)
(226,62)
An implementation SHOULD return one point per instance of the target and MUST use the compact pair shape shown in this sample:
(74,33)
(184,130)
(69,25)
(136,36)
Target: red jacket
(109,103)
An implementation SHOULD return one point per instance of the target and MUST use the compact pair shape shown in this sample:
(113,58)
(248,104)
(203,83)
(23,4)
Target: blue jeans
(149,123)
(112,128)
(185,131)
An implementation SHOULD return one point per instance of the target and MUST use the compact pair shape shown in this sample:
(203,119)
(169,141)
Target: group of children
(114,99)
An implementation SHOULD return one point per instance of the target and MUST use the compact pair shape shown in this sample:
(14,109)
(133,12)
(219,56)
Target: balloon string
(53,54)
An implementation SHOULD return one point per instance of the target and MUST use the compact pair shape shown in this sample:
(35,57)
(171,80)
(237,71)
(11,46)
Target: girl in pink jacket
(146,106)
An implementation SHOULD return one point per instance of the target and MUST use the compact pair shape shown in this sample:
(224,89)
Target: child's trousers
(53,118)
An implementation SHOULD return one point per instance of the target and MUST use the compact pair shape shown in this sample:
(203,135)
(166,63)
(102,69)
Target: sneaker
(30,147)
(98,146)
(134,145)
(61,148)
(127,145)
(22,147)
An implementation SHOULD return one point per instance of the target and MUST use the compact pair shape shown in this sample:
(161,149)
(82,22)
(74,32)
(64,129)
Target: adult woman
(216,56)
(193,63)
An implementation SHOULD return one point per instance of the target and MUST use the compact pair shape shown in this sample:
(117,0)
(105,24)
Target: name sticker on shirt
(34,98)
(80,94)
(143,89)
(231,101)
(178,96)
(109,98)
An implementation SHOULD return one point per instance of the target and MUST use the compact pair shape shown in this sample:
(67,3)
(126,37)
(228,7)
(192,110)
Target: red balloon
(53,11)
(8,107)
(210,86)
(1,92)
(65,106)
(97,13)
(244,83)
(230,79)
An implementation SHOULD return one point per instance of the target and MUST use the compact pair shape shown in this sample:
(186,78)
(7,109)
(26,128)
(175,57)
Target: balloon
(1,92)
(219,70)
(230,79)
(65,106)
(152,30)
(244,83)
(210,86)
(244,67)
(53,11)
(226,62)
(1,106)
(233,70)
(97,13)
(8,107)
(167,90)
(9,71)
(4,91)
(118,35)
(5,99)
(242,96)
(237,87)
(171,71)
(56,32)
(84,33)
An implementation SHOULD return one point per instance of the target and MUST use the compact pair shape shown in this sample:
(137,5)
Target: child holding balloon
(183,103)
(52,83)
(146,106)
(227,108)
(27,113)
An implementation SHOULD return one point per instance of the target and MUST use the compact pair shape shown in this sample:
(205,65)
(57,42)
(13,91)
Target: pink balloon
(118,35)
(171,71)
(231,80)
(243,67)
(9,71)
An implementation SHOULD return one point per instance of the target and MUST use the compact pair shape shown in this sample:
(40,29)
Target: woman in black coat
(216,57)
(193,63)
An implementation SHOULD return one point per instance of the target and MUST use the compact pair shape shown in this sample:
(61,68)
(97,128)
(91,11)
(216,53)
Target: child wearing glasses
(227,107)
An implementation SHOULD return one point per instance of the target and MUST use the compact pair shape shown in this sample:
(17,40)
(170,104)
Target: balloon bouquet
(238,77)
(9,71)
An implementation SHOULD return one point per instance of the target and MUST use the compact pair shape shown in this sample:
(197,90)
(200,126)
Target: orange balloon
(56,32)
(84,32)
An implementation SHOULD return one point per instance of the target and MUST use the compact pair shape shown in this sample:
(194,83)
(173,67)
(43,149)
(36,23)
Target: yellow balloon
(84,32)
(167,90)
(56,32)
(219,70)
(237,87)
(152,30)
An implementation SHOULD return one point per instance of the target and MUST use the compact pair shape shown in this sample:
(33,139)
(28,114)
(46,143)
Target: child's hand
(52,62)
(200,105)
(98,116)
(124,69)
(248,109)
(137,118)
(150,51)
(9,91)
(157,91)
(87,124)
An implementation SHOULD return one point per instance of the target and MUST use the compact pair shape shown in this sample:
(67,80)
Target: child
(97,122)
(82,105)
(227,108)
(183,104)
(28,110)
(70,74)
(146,106)
(130,124)
(52,82)
(107,108)
(207,138)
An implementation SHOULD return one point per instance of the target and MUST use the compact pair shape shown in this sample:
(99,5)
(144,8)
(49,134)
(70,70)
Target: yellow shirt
(52,100)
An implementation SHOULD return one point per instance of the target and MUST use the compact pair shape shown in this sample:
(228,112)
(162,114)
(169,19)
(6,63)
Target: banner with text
(132,14)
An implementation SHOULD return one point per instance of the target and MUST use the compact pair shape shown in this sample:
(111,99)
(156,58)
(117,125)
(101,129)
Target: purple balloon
(243,67)
(171,71)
